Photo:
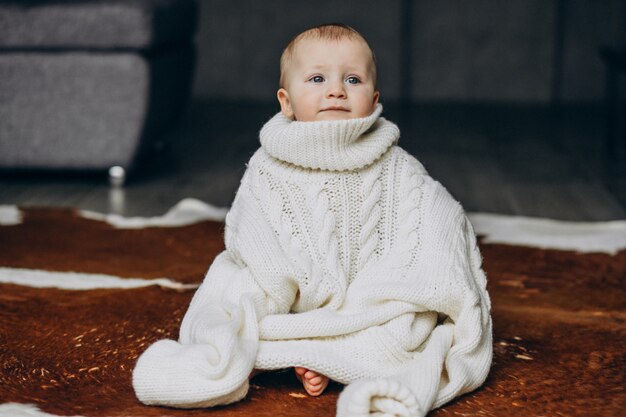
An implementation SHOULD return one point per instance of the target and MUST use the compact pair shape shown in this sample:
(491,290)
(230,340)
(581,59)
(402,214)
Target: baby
(344,259)
(326,73)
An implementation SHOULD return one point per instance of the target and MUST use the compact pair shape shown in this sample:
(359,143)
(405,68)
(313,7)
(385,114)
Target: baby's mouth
(335,108)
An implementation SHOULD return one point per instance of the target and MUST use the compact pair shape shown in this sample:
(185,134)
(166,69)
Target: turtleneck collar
(334,145)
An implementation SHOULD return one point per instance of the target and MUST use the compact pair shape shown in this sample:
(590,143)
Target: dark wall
(457,50)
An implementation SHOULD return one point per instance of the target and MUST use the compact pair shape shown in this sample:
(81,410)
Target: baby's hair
(327,31)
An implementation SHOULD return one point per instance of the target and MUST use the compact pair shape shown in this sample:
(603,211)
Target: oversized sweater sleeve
(443,275)
(210,363)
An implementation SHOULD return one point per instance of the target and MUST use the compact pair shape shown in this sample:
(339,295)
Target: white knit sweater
(342,256)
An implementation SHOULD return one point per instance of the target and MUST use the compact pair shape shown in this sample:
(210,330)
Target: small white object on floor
(10,215)
(117,176)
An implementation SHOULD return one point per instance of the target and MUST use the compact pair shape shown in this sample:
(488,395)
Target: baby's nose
(336,90)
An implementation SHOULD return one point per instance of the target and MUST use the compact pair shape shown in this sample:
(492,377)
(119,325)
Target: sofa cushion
(85,109)
(95,24)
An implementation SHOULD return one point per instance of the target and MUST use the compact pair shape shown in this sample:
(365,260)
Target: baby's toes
(308,375)
(315,381)
(316,385)
(312,390)
(300,371)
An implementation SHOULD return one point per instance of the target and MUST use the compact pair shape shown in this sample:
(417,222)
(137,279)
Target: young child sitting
(344,260)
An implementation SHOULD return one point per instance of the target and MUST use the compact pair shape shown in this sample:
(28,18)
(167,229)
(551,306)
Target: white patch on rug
(81,281)
(22,410)
(10,215)
(186,212)
(605,237)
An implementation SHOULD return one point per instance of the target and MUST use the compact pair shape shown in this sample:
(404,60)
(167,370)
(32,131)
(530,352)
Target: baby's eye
(317,79)
(353,80)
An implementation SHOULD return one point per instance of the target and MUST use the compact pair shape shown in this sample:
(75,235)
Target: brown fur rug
(559,325)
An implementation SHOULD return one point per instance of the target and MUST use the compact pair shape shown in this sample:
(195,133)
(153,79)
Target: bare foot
(314,384)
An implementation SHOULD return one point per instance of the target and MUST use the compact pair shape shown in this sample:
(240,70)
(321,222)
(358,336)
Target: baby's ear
(285,103)
(376,97)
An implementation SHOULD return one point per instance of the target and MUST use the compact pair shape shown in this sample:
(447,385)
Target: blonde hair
(329,32)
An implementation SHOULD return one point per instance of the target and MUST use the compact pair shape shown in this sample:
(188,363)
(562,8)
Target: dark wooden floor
(509,159)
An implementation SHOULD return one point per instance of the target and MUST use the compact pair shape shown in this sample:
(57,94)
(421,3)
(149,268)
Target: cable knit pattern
(342,256)
(370,217)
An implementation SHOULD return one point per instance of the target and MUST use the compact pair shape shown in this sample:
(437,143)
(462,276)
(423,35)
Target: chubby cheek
(364,106)
(306,106)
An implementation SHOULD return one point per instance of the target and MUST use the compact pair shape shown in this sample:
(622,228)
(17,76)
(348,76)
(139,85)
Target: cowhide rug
(82,295)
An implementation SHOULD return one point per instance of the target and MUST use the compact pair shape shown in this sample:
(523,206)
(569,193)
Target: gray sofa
(90,84)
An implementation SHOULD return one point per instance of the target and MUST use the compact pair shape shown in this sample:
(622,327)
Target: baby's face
(329,80)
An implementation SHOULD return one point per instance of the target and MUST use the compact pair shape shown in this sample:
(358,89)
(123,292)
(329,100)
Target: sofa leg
(117,176)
